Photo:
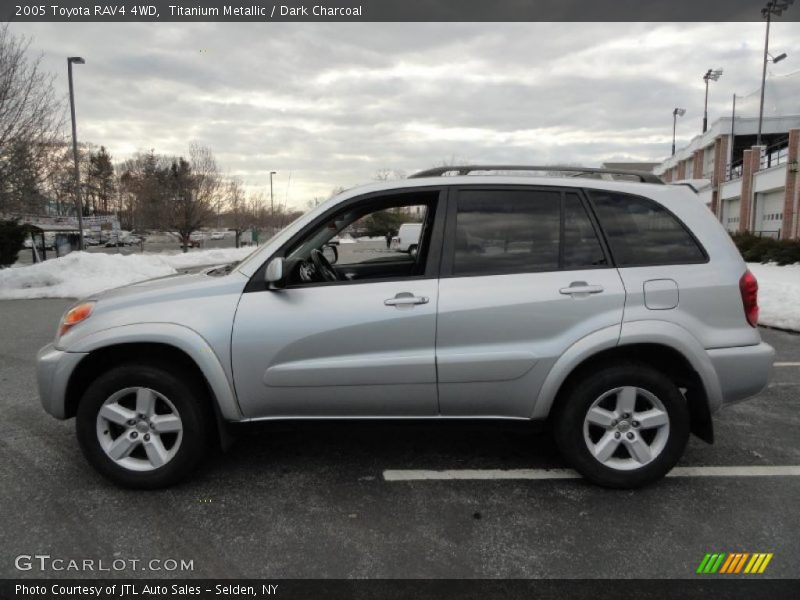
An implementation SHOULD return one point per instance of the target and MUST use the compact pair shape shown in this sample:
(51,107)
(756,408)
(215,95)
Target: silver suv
(610,306)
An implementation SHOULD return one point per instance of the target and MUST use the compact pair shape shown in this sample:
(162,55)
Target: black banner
(388,10)
(701,588)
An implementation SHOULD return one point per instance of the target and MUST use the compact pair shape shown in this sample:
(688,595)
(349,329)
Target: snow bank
(778,294)
(80,274)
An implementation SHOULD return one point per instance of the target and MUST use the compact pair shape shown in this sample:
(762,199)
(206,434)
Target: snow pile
(778,294)
(80,274)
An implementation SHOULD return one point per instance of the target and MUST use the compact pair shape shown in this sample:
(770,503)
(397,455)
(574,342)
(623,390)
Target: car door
(352,348)
(525,275)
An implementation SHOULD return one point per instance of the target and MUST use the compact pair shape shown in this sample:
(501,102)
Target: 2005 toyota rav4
(619,311)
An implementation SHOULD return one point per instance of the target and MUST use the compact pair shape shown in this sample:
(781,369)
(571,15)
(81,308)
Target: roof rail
(642,176)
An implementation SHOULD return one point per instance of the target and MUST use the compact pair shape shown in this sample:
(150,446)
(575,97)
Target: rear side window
(506,232)
(643,233)
(522,231)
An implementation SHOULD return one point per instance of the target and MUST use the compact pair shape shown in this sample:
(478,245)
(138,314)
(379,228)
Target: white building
(753,188)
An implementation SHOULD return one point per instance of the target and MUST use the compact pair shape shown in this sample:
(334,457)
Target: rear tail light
(748,286)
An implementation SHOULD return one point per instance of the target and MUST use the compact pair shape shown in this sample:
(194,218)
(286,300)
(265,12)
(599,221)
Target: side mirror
(274,272)
(330,252)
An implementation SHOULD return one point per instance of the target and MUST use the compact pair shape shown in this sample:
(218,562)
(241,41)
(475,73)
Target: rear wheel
(142,426)
(412,250)
(623,426)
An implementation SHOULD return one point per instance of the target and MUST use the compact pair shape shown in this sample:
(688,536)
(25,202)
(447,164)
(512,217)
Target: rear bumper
(742,371)
(53,370)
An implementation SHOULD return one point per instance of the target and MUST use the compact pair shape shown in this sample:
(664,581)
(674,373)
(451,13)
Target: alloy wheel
(626,428)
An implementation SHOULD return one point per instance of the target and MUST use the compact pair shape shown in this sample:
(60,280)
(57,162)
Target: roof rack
(642,176)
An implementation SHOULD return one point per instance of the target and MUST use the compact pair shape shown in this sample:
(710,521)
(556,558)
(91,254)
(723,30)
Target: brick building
(753,188)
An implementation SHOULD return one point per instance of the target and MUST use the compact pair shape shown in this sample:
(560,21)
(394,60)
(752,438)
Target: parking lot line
(483,474)
(786,364)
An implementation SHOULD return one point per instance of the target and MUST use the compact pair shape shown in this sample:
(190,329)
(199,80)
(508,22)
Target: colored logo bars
(734,563)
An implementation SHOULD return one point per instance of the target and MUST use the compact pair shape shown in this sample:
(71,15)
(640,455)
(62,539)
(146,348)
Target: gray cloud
(333,103)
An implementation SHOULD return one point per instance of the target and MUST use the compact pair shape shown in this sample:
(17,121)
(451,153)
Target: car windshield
(250,257)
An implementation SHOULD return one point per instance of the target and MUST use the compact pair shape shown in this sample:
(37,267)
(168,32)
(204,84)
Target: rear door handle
(405,299)
(580,288)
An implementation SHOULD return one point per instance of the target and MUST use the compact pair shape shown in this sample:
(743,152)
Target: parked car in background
(618,313)
(407,239)
(217,235)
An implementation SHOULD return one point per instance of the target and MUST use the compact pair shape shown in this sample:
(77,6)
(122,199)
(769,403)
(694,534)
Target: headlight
(75,315)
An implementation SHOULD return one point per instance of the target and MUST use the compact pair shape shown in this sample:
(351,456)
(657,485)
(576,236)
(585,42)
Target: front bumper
(743,371)
(53,370)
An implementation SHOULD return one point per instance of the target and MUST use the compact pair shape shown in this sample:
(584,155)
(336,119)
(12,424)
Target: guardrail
(775,155)
(733,170)
(771,233)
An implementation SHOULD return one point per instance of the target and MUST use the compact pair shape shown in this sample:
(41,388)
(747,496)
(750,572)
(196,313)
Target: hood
(169,289)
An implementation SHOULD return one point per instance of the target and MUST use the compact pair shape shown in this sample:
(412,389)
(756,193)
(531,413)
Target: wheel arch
(162,342)
(682,362)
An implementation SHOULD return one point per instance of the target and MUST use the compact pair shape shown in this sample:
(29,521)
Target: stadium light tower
(711,75)
(776,8)
(678,112)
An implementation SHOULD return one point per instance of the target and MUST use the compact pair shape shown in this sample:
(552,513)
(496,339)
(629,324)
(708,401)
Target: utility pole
(271,198)
(773,7)
(78,203)
(678,112)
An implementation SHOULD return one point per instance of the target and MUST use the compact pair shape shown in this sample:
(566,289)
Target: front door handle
(405,299)
(580,288)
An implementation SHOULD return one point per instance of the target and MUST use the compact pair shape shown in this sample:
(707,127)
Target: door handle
(405,299)
(580,288)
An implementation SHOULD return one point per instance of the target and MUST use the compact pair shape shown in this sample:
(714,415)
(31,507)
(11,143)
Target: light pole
(79,204)
(271,201)
(711,75)
(773,7)
(678,112)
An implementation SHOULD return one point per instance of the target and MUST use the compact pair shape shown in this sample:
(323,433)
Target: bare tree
(389,174)
(30,121)
(239,213)
(193,187)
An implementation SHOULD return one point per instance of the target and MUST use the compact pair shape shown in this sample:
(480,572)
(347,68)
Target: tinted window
(581,247)
(640,232)
(506,231)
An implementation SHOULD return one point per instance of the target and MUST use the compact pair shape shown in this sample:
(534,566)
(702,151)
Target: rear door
(524,276)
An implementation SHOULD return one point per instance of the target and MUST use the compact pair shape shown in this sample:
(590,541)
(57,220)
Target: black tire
(189,399)
(591,385)
(412,250)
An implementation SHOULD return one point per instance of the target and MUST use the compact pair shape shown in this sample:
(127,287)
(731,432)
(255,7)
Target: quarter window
(643,233)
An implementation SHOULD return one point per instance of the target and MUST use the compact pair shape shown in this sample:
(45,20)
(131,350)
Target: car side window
(523,231)
(643,233)
(506,231)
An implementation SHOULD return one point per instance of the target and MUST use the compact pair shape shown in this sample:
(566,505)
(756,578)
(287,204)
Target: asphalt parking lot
(310,500)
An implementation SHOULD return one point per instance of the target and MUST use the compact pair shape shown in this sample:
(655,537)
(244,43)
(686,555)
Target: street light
(773,7)
(271,203)
(78,61)
(711,75)
(678,112)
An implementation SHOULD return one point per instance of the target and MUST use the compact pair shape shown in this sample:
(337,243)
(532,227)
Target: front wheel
(623,426)
(142,426)
(412,250)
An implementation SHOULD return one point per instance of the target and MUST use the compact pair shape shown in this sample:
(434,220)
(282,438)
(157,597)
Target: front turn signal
(75,315)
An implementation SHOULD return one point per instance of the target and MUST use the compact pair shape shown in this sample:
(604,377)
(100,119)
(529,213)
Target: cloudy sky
(331,104)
